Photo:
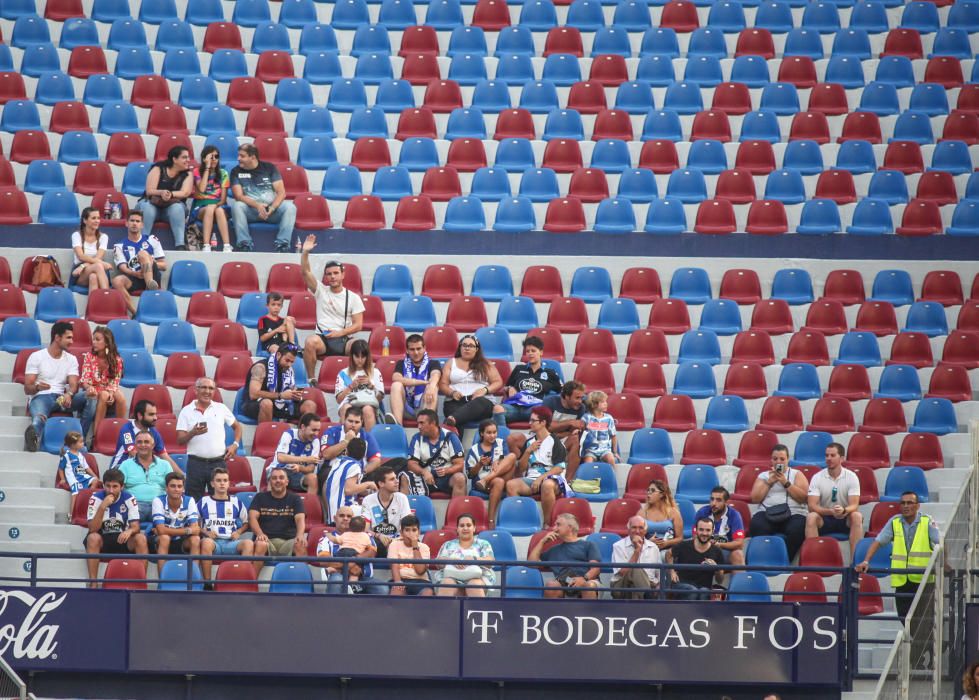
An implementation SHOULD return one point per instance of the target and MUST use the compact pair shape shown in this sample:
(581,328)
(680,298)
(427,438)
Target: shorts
(81,484)
(514,413)
(597,453)
(574,591)
(279,547)
(415,586)
(442,484)
(249,407)
(411,409)
(111,543)
(334,346)
(228,546)
(138,284)
(833,525)
(176,544)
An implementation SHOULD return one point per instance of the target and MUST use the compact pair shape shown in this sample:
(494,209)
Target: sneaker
(206,248)
(244,248)
(32,441)
(208,586)
(152,285)
(228,248)
(390,419)
(282,248)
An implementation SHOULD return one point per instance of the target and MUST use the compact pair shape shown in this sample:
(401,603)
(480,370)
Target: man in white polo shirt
(834,499)
(200,426)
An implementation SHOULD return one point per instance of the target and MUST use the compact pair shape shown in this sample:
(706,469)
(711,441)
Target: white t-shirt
(88,247)
(847,484)
(53,371)
(385,521)
(778,494)
(211,444)
(329,308)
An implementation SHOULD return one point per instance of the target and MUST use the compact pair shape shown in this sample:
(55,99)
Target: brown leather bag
(46,272)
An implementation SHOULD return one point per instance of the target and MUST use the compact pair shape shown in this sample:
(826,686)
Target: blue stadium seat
(187,277)
(251,307)
(467,41)
(775,16)
(707,46)
(889,186)
(464,213)
(18,8)
(514,155)
(293,94)
(972,187)
(683,98)
(204,12)
(391,282)
(29,30)
(821,16)
(761,126)
(58,208)
(695,482)
(615,215)
(39,59)
(367,122)
(467,69)
(77,147)
(466,122)
(691,285)
(346,95)
(491,96)
(517,314)
(126,33)
(391,440)
(751,71)
(137,368)
(708,156)
(350,14)
(921,16)
(618,315)
(392,183)
(651,446)
(593,285)
(695,379)
(666,216)
(927,317)
(539,185)
(251,13)
(538,15)
(323,68)
(490,184)
(799,380)
(492,282)
(55,429)
(751,587)
(19,333)
(518,515)
(118,117)
(79,31)
(522,582)
(319,153)
(102,89)
(804,42)
(859,348)
(292,578)
(785,186)
(585,15)
(794,286)
(721,316)
(611,41)
(134,179)
(515,41)
(271,36)
(899,382)
(894,287)
(880,98)
(419,154)
(637,185)
(856,157)
(895,70)
(173,576)
(780,98)
(540,97)
(174,336)
(870,16)
(394,96)
(632,16)
(227,64)
(495,342)
(901,479)
(155,307)
(871,217)
(727,414)
(109,10)
(660,41)
(134,62)
(698,345)
(515,215)
(914,126)
(54,303)
(962,15)
(197,91)
(935,415)
(767,551)
(396,14)
(216,119)
(845,70)
(662,125)
(880,560)
(810,449)
(726,16)
(634,97)
(372,68)
(297,14)
(443,14)
(20,115)
(687,186)
(43,176)
(852,42)
(504,548)
(952,157)
(423,509)
(611,156)
(820,217)
(561,69)
(317,37)
(965,219)
(227,145)
(929,99)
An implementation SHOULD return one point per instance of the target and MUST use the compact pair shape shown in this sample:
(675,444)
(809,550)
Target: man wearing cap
(339,312)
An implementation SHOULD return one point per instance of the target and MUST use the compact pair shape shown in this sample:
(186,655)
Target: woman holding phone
(211,184)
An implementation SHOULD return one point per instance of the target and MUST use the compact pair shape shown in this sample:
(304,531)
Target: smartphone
(202,426)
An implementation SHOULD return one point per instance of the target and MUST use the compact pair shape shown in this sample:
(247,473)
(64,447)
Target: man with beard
(145,420)
(272,391)
(728,526)
(695,584)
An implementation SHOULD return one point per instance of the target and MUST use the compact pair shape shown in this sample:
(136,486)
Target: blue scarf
(277,380)
(413,394)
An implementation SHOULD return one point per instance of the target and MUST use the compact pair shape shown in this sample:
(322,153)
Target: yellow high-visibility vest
(917,558)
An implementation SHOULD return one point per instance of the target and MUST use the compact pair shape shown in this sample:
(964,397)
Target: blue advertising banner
(70,629)
(651,642)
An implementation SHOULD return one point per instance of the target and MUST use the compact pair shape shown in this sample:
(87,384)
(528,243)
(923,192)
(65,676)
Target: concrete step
(11,425)
(48,497)
(20,479)
(71,572)
(16,516)
(48,533)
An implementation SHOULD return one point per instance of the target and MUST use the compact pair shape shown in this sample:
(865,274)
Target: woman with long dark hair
(89,246)
(360,384)
(211,185)
(468,380)
(101,372)
(168,185)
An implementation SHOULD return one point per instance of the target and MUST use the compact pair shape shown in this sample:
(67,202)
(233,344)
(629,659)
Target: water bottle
(107,209)
(385,347)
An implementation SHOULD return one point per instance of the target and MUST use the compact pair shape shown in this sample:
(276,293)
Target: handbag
(587,485)
(780,512)
(46,272)
(364,397)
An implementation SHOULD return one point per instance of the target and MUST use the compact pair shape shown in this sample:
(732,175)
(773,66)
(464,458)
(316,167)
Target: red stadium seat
(395,336)
(373,312)
(612,123)
(609,70)
(465,314)
(627,409)
(659,156)
(266,120)
(832,415)
(844,286)
(704,447)
(826,316)
(968,101)
(675,413)
(436,538)
(69,116)
(596,375)
(222,35)
(943,286)
(416,122)
(105,305)
(804,587)
(158,394)
(781,414)
(588,185)
(578,507)
(736,186)
(352,278)
(798,70)
(715,216)
(471,505)
(267,438)
(870,601)
(420,69)
(565,40)
(836,185)
(491,15)
(644,379)
(746,380)
(670,316)
(232,370)
(515,124)
(370,154)
(829,99)
(84,62)
(809,125)
(312,212)
(595,344)
(921,450)
(903,42)
(125,148)
(7,178)
(99,199)
(441,96)
(961,126)
(868,485)
(921,217)
(755,41)
(877,317)
(617,514)
(235,576)
(732,98)
(880,515)
(441,184)
(564,215)
(944,70)
(302,307)
(771,316)
(237,279)
(962,348)
(680,16)
(293,176)
(150,91)
(441,341)
(586,97)
(641,284)
(107,435)
(12,302)
(950,382)
(767,217)
(225,337)
(542,283)
(904,156)
(868,450)
(647,345)
(757,157)
(560,155)
(206,308)
(190,394)
(568,315)
(821,551)
(638,480)
(861,126)
(168,141)
(442,282)
(911,349)
(274,66)
(937,186)
(126,575)
(755,450)
(419,39)
(414,213)
(240,474)
(329,370)
(746,478)
(28,146)
(809,347)
(849,382)
(4,271)
(553,342)
(60,10)
(183,369)
(286,279)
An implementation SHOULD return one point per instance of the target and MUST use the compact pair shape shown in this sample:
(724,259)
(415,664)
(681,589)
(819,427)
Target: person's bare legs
(122,283)
(207,222)
(221,219)
(313,349)
(398,402)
